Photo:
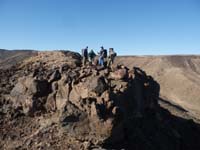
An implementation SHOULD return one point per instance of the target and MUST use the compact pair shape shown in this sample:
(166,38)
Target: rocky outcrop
(30,94)
(92,103)
(89,107)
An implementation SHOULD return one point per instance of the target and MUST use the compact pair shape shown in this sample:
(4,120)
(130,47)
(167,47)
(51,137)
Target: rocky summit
(51,101)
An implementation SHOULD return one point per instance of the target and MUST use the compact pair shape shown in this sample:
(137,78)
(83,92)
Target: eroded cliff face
(52,102)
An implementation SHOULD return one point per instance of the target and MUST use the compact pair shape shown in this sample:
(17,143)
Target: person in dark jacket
(85,55)
(91,55)
(103,57)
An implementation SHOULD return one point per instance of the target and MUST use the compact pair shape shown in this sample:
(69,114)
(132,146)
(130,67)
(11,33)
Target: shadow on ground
(159,130)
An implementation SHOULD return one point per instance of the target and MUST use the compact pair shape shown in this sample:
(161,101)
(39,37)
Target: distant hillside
(11,57)
(179,77)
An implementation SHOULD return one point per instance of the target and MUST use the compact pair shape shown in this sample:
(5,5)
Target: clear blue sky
(141,27)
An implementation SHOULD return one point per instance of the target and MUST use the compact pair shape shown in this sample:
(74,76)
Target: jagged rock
(29,92)
(62,91)
(55,76)
(87,107)
(70,114)
(119,74)
(54,86)
(97,85)
(51,100)
(93,111)
(91,105)
(20,88)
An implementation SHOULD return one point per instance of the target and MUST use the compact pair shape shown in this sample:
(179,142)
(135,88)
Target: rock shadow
(161,131)
(156,128)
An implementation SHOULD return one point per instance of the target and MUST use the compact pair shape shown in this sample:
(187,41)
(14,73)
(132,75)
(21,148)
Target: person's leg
(109,63)
(83,61)
(112,61)
(102,62)
(99,61)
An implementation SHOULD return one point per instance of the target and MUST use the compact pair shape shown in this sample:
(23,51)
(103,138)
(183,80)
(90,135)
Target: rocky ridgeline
(92,101)
(89,106)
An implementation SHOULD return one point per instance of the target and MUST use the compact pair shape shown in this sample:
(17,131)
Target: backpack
(105,53)
(114,54)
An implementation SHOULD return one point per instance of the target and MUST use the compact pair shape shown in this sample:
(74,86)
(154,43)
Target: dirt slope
(179,77)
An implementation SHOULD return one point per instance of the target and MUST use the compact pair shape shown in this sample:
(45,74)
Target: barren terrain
(48,100)
(178,76)
(11,57)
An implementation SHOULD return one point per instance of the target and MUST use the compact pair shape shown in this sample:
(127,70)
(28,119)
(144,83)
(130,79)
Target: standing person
(105,57)
(101,57)
(101,50)
(85,55)
(91,55)
(111,57)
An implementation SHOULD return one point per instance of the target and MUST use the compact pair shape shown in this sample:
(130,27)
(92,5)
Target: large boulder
(97,113)
(62,94)
(29,94)
(97,85)
(119,74)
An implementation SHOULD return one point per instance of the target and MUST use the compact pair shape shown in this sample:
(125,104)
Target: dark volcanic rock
(29,93)
(67,106)
(97,85)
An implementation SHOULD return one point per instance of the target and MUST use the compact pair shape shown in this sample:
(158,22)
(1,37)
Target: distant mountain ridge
(11,57)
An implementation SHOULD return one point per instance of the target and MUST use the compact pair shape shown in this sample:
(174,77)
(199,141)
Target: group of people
(145,89)
(101,58)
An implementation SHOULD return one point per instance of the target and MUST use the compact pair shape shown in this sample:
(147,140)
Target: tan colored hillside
(11,57)
(179,77)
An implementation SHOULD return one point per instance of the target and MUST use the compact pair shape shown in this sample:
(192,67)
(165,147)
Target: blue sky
(132,27)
